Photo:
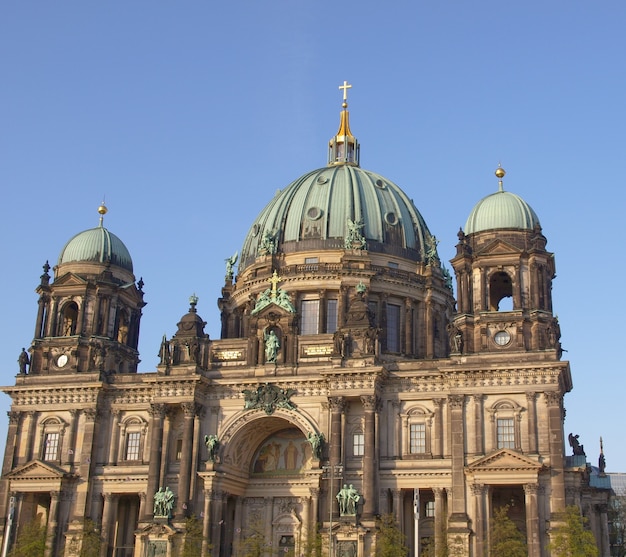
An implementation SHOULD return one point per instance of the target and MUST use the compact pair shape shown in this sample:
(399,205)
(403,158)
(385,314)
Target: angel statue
(230,264)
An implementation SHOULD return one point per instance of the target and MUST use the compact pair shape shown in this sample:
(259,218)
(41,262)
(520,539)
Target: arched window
(133,432)
(505,418)
(417,432)
(52,430)
(500,292)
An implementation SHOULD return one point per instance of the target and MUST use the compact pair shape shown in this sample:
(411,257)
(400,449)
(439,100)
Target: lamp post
(331,471)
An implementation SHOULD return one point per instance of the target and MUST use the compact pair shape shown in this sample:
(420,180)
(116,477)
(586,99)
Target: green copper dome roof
(314,211)
(97,245)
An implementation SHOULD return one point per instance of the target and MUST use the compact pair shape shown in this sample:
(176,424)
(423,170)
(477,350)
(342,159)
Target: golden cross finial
(345,88)
(275,280)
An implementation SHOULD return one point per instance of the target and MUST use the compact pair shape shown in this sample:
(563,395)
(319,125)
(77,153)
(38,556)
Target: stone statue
(212,445)
(163,503)
(269,243)
(317,443)
(431,254)
(447,277)
(164,352)
(23,361)
(272,344)
(455,336)
(264,300)
(283,300)
(348,497)
(354,238)
(230,263)
(577,448)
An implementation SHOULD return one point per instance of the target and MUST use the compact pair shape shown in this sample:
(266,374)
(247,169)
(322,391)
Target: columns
(398,508)
(438,436)
(86,463)
(408,326)
(157,413)
(532,520)
(337,408)
(554,401)
(481,526)
(479,447)
(71,441)
(397,429)
(11,445)
(206,520)
(238,522)
(440,517)
(115,437)
(531,399)
(184,476)
(217,521)
(107,516)
(370,404)
(315,504)
(457,446)
(53,522)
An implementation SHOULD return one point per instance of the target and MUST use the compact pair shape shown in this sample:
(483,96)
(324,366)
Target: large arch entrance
(263,494)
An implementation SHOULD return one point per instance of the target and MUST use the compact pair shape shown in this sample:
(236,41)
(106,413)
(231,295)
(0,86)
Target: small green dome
(97,245)
(501,210)
(313,213)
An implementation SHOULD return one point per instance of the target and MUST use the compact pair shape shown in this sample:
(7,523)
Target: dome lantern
(344,148)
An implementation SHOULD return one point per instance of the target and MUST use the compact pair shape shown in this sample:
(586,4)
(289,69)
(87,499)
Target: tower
(88,317)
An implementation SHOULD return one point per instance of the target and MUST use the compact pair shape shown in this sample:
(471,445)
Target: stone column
(184,476)
(11,445)
(408,326)
(554,401)
(533,541)
(53,522)
(396,435)
(238,522)
(269,517)
(206,520)
(457,446)
(398,509)
(115,437)
(107,520)
(41,310)
(481,527)
(217,521)
(438,436)
(370,404)
(479,447)
(337,408)
(86,463)
(142,503)
(440,519)
(195,454)
(315,504)
(157,413)
(531,399)
(52,319)
(25,454)
(306,520)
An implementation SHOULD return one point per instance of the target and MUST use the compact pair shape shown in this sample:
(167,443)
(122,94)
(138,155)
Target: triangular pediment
(70,279)
(498,247)
(504,460)
(36,470)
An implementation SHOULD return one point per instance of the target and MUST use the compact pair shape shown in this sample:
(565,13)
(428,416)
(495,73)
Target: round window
(502,338)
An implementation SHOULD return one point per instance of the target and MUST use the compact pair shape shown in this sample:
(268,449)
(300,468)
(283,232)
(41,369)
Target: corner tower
(504,279)
(88,318)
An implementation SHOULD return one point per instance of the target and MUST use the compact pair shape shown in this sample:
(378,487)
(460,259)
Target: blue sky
(188,116)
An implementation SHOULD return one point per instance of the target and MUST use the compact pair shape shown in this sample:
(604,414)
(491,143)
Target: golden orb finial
(500,172)
(103,209)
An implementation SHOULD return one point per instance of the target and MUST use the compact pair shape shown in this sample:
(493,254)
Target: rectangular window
(506,433)
(393,265)
(132,446)
(310,260)
(331,316)
(393,328)
(417,441)
(358,444)
(51,446)
(309,317)
(430,509)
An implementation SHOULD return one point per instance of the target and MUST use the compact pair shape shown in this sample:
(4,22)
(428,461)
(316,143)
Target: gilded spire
(344,148)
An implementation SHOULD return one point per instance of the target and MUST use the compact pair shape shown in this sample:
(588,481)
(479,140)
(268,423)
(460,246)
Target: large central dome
(325,208)
(314,212)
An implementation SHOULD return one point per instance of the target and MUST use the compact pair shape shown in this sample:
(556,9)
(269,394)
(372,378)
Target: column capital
(337,404)
(315,492)
(553,398)
(190,409)
(14,417)
(438,402)
(91,414)
(477,489)
(370,402)
(531,396)
(456,401)
(157,411)
(531,489)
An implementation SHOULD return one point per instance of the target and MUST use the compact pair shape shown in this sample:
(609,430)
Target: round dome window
(390,218)
(314,213)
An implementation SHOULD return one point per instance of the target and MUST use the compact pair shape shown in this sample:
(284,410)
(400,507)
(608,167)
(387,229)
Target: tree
(253,542)
(30,540)
(92,540)
(572,538)
(314,544)
(192,546)
(506,538)
(390,541)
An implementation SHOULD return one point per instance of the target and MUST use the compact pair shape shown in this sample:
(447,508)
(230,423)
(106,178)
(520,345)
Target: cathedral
(349,383)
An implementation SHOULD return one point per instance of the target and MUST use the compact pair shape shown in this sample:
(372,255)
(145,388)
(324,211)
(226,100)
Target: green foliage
(253,542)
(92,540)
(314,544)
(192,546)
(506,539)
(30,541)
(572,538)
(390,541)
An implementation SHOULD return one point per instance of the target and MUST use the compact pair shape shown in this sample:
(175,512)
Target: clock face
(62,360)
(502,338)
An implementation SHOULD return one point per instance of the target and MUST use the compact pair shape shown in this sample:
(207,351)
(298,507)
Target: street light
(331,471)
